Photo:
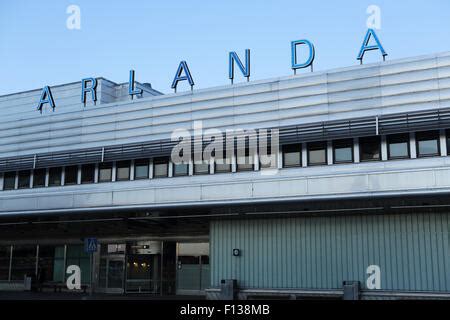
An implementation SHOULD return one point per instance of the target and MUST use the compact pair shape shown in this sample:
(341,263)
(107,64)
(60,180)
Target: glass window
(105,172)
(244,160)
(46,263)
(180,169)
(5,252)
(87,173)
(317,153)
(427,143)
(398,146)
(141,169)
(292,155)
(24,179)
(370,148)
(160,167)
(123,170)
(201,167)
(70,175)
(54,176)
(39,178)
(343,151)
(77,256)
(9,180)
(23,262)
(222,162)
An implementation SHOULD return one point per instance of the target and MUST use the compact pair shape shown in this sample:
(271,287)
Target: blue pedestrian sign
(90,245)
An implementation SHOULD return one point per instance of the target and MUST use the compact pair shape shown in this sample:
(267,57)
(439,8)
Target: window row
(343,151)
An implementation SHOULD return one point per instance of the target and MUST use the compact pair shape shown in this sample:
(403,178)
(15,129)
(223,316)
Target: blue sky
(37,49)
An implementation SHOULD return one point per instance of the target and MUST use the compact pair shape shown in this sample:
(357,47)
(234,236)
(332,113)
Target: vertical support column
(37,261)
(11,248)
(329,152)
(191,167)
(79,175)
(384,151)
(16,181)
(31,178)
(63,176)
(304,155)
(113,173)
(150,169)
(256,161)
(356,150)
(96,173)
(132,170)
(170,174)
(212,167)
(412,145)
(47,177)
(233,162)
(280,157)
(443,141)
(2,175)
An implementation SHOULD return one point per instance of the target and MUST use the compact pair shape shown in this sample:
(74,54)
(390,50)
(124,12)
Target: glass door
(115,275)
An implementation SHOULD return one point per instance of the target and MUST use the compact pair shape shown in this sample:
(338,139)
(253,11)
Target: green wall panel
(321,252)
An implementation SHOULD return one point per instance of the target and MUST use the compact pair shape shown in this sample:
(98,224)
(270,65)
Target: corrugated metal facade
(320,252)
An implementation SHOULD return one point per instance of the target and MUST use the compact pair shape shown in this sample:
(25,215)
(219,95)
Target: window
(268,159)
(39,178)
(141,169)
(54,176)
(87,173)
(160,167)
(123,170)
(180,169)
(398,146)
(370,148)
(427,143)
(77,256)
(23,262)
(201,167)
(317,153)
(5,254)
(70,175)
(343,151)
(24,179)
(9,180)
(222,162)
(105,172)
(292,155)
(245,160)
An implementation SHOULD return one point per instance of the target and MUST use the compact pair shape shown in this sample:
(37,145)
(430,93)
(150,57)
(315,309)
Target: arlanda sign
(89,85)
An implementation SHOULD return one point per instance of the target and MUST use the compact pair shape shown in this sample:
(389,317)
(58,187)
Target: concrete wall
(412,251)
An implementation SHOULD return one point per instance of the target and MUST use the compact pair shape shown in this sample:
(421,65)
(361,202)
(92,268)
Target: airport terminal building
(359,194)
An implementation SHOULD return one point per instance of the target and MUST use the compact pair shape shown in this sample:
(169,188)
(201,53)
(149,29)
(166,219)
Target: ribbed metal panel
(359,127)
(412,251)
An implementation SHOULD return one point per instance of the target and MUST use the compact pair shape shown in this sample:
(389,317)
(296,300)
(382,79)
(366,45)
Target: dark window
(87,173)
(9,180)
(427,143)
(105,172)
(48,264)
(370,148)
(292,155)
(54,176)
(141,169)
(24,179)
(448,141)
(317,153)
(5,254)
(23,262)
(160,167)
(70,175)
(123,170)
(245,160)
(398,146)
(39,178)
(343,151)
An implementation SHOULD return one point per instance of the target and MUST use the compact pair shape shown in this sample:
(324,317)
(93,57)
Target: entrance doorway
(112,268)
(193,272)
